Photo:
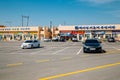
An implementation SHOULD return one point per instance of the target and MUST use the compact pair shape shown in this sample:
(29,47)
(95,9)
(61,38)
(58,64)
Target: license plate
(92,48)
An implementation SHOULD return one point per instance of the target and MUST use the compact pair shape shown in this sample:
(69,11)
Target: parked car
(62,40)
(30,44)
(111,39)
(92,45)
(99,39)
(47,40)
(74,39)
(55,39)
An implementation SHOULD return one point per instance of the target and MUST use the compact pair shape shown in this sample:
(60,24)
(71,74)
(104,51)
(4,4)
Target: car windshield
(91,41)
(28,41)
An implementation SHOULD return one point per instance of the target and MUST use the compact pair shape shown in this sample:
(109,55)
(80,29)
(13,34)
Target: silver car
(30,44)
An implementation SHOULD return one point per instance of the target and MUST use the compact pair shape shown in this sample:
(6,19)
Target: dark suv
(111,39)
(92,45)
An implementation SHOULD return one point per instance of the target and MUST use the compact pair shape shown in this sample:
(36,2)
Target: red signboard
(77,32)
(72,32)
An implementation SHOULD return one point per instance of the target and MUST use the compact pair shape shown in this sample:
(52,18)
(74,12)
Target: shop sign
(87,32)
(77,32)
(116,32)
(32,32)
(98,32)
(14,29)
(65,31)
(20,33)
(94,27)
(15,32)
(24,28)
(65,34)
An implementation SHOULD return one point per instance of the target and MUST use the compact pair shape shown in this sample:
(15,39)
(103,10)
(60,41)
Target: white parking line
(60,50)
(115,48)
(37,52)
(79,51)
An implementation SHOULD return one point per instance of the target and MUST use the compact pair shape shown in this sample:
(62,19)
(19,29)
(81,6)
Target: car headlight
(29,44)
(99,46)
(86,46)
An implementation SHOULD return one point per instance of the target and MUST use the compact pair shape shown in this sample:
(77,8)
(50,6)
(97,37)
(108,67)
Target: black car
(111,39)
(62,40)
(92,45)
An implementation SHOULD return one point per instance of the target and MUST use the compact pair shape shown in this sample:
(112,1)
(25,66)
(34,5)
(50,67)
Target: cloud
(98,1)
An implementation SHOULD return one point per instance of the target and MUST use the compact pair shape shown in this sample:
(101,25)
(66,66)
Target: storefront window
(94,35)
(80,37)
(17,37)
(100,35)
(24,37)
(87,36)
(114,35)
(0,37)
(107,35)
(35,36)
(30,37)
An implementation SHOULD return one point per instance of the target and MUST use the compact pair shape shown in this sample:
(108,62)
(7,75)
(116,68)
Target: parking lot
(58,61)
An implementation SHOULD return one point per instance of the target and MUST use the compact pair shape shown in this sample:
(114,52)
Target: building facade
(24,33)
(82,32)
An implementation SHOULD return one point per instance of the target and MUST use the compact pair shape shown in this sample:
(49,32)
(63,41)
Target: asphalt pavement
(58,61)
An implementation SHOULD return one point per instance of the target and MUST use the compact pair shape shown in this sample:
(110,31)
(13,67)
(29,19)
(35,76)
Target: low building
(24,33)
(83,32)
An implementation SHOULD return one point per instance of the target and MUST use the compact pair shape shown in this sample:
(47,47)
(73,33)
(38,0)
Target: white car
(30,44)
(47,40)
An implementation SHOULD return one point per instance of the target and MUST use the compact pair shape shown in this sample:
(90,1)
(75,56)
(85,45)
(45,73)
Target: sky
(64,12)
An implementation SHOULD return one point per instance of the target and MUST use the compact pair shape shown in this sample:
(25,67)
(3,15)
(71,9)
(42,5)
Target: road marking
(111,52)
(86,55)
(65,58)
(60,50)
(40,61)
(79,51)
(115,48)
(80,71)
(118,49)
(37,52)
(15,64)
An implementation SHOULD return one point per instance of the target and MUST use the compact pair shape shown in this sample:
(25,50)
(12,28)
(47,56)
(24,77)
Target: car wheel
(38,45)
(31,46)
(84,51)
(101,51)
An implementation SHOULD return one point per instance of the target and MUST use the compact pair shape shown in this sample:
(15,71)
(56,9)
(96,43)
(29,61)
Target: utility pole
(27,20)
(50,24)
(22,21)
(27,17)
(51,29)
